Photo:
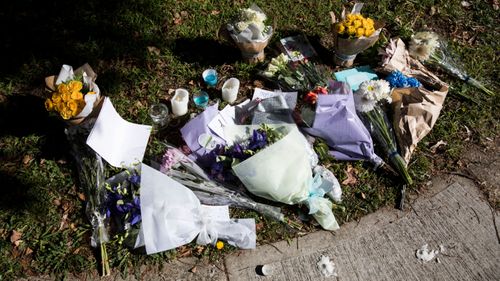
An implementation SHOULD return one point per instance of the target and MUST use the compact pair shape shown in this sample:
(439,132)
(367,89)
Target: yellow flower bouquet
(74,94)
(353,34)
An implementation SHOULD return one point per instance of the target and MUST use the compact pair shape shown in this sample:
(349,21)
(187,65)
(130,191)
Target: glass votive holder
(159,114)
(210,77)
(200,99)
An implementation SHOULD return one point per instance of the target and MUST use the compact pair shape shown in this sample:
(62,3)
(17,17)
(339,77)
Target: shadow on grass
(39,36)
(205,52)
(25,115)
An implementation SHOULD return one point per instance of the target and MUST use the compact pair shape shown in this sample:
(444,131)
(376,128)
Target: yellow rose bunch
(355,25)
(68,100)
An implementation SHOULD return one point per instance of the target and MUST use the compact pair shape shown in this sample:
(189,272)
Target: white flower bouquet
(430,49)
(369,99)
(250,33)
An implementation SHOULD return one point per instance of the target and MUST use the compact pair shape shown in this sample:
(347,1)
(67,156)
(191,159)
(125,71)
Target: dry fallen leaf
(199,249)
(56,202)
(193,269)
(437,145)
(81,196)
(28,251)
(177,21)
(27,159)
(351,178)
(215,12)
(15,236)
(154,50)
(259,226)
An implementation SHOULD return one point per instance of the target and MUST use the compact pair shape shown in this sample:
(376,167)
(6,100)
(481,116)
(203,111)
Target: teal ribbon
(315,192)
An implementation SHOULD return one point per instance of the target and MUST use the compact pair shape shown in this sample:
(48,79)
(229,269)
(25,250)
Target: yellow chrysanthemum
(49,105)
(76,95)
(219,245)
(358,23)
(369,32)
(370,21)
(350,17)
(75,86)
(340,28)
(360,32)
(351,30)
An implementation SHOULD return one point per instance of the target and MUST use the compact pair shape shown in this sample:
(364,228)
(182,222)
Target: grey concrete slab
(382,246)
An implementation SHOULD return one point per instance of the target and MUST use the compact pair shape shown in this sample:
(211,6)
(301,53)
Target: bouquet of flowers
(179,167)
(336,113)
(250,33)
(429,48)
(92,176)
(263,163)
(416,105)
(369,100)
(124,205)
(353,34)
(301,75)
(74,93)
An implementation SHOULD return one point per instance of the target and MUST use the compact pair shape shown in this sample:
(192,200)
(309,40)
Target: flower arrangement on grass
(369,100)
(68,100)
(355,26)
(430,49)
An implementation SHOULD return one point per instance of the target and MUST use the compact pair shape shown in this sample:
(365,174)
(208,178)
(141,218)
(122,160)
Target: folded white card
(119,142)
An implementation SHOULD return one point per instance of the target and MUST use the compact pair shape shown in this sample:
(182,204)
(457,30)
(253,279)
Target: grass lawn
(141,49)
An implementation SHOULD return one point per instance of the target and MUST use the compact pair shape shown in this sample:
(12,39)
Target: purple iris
(258,140)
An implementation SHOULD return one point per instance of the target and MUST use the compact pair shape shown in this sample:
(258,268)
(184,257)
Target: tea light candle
(210,77)
(180,102)
(230,90)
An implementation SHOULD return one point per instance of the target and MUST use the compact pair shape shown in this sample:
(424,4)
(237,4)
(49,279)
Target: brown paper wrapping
(50,84)
(415,109)
(346,49)
(253,52)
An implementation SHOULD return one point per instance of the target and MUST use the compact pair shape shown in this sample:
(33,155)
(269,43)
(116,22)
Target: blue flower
(135,179)
(398,80)
(413,82)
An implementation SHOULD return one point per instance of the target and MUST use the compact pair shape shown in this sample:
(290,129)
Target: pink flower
(170,158)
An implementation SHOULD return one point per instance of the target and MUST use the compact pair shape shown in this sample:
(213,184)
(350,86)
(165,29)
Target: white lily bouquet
(261,159)
(250,33)
(369,100)
(430,49)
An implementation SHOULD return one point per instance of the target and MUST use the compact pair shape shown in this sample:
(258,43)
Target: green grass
(140,50)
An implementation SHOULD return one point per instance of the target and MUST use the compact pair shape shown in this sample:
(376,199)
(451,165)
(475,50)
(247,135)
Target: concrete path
(383,245)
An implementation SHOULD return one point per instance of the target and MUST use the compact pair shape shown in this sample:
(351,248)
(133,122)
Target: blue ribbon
(315,192)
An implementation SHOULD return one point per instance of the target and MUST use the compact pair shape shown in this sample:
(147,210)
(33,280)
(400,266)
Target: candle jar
(210,77)
(230,90)
(159,114)
(180,102)
(200,99)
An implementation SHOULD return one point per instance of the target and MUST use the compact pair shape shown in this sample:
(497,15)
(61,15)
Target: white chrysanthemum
(326,267)
(423,44)
(240,26)
(382,91)
(363,103)
(370,92)
(252,15)
(260,25)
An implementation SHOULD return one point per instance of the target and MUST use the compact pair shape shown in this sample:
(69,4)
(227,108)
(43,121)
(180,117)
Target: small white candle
(230,90)
(180,102)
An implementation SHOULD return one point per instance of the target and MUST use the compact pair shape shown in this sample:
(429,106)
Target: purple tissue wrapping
(337,123)
(196,127)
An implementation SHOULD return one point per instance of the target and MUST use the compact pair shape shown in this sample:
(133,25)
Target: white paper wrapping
(282,172)
(172,216)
